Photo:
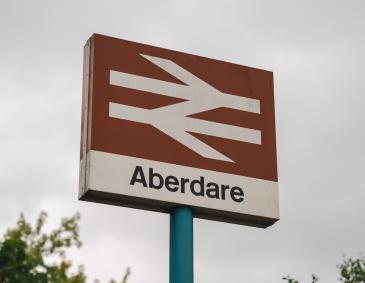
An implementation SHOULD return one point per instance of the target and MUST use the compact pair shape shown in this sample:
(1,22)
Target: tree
(291,280)
(351,271)
(29,255)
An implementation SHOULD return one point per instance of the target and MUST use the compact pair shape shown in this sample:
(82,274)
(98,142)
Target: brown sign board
(163,129)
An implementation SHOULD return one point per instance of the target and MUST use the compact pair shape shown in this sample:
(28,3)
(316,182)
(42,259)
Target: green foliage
(353,270)
(291,280)
(24,251)
(30,255)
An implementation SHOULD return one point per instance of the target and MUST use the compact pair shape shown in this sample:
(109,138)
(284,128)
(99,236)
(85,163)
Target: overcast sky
(315,49)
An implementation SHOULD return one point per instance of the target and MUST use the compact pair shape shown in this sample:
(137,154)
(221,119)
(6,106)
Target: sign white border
(110,174)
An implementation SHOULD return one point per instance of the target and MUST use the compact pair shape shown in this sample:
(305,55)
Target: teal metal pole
(181,245)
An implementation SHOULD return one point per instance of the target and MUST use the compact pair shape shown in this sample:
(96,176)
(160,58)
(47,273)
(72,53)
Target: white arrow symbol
(173,120)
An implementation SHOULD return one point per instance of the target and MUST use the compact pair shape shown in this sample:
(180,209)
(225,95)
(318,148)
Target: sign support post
(181,245)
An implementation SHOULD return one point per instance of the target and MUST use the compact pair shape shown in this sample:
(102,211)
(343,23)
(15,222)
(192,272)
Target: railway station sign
(163,129)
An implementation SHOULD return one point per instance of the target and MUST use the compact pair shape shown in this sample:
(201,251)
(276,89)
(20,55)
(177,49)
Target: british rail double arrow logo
(174,120)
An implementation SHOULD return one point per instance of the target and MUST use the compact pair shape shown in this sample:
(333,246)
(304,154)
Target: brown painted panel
(145,141)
